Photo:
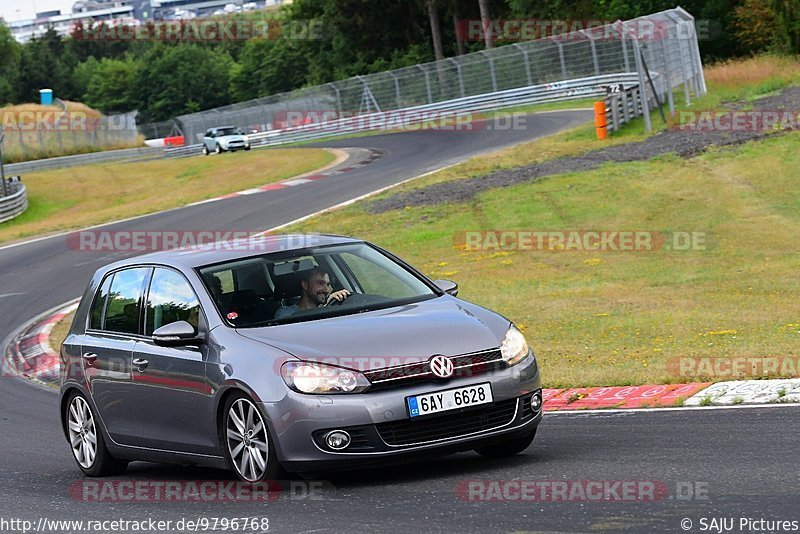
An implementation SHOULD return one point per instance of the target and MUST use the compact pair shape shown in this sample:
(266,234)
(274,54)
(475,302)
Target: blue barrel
(47,96)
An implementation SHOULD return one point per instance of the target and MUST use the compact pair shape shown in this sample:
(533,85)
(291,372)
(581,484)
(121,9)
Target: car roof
(230,250)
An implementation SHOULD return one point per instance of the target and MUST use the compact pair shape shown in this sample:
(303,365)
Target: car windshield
(301,285)
(228,131)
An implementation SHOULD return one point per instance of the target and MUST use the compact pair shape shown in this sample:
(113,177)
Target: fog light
(337,439)
(536,402)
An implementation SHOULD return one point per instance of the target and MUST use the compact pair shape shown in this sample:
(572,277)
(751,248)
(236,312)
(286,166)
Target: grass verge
(625,317)
(77,197)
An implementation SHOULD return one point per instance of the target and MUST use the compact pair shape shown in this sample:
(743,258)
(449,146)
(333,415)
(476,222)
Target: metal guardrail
(15,203)
(127,154)
(623,106)
(664,42)
(456,108)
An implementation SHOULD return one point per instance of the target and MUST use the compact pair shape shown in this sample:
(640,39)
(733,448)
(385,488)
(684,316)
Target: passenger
(316,291)
(215,286)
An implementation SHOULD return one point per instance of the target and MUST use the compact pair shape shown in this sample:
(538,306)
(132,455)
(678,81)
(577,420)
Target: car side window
(99,305)
(171,298)
(124,301)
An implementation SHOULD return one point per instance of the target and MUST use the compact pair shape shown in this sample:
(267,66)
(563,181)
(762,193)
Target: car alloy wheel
(86,439)
(247,441)
(205,150)
(82,432)
(218,149)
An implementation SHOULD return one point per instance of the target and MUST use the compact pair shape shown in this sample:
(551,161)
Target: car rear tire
(508,448)
(205,150)
(218,150)
(86,440)
(245,439)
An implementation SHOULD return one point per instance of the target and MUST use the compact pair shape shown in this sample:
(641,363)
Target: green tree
(267,67)
(183,78)
(787,13)
(9,63)
(45,62)
(109,88)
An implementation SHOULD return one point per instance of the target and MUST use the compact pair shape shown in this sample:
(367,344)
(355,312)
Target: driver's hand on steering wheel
(338,296)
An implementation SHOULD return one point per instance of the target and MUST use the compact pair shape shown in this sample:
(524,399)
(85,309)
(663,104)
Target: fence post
(667,78)
(527,62)
(594,53)
(427,83)
(460,77)
(396,90)
(637,56)
(338,97)
(561,59)
(624,45)
(2,171)
(492,74)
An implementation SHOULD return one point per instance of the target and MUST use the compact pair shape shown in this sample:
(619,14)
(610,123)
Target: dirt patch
(673,141)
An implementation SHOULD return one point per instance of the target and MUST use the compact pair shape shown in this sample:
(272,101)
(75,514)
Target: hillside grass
(66,199)
(607,318)
(29,139)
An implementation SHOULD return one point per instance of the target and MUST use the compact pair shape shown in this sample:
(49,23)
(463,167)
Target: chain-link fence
(36,132)
(662,48)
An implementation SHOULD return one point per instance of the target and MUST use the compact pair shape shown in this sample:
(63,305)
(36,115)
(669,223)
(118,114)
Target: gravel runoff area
(684,143)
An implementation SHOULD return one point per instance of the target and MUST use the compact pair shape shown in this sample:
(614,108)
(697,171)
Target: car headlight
(320,378)
(514,347)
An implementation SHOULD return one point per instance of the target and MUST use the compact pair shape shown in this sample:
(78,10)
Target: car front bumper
(382,431)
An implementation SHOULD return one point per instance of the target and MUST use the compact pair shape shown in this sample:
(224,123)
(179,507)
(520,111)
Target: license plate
(449,399)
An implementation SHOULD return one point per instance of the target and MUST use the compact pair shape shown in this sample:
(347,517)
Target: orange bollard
(600,119)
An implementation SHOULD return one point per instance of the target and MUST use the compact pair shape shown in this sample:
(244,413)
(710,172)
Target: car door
(111,335)
(174,400)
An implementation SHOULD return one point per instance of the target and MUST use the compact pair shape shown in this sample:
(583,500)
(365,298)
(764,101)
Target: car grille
(411,432)
(472,364)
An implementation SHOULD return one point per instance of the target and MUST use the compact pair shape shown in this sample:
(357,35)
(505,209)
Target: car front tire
(218,150)
(86,440)
(508,448)
(248,447)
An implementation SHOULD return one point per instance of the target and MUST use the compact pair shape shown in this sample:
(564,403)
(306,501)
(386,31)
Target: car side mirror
(177,334)
(448,286)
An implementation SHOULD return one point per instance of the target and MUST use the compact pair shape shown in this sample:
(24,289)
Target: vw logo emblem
(441,366)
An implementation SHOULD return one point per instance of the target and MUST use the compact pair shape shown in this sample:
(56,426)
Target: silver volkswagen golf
(290,353)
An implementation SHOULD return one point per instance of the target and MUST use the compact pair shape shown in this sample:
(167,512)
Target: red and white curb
(368,157)
(31,356)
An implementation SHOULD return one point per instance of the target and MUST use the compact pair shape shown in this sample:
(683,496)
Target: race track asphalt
(738,463)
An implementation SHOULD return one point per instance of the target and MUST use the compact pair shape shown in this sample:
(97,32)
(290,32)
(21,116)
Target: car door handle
(140,364)
(89,358)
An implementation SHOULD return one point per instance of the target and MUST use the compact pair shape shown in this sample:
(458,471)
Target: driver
(316,291)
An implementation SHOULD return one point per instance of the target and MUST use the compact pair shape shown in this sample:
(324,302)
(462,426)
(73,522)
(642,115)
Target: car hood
(389,337)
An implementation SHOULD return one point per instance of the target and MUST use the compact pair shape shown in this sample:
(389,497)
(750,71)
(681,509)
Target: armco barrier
(622,106)
(580,88)
(127,154)
(14,204)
